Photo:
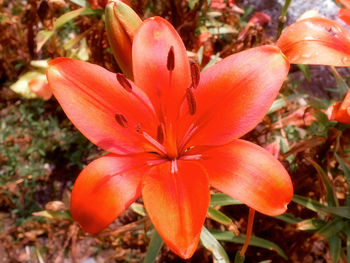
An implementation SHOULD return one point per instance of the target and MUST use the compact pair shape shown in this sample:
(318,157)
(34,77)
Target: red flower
(172,133)
(340,111)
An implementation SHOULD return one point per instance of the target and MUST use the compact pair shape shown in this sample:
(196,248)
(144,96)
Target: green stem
(282,19)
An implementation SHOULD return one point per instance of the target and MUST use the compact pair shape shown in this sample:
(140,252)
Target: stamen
(249,232)
(160,134)
(191,157)
(124,82)
(174,168)
(171,59)
(120,118)
(195,74)
(192,106)
(156,144)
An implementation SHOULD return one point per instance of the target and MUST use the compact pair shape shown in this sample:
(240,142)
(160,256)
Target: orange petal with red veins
(104,189)
(234,95)
(150,53)
(344,14)
(316,40)
(176,197)
(250,174)
(98,105)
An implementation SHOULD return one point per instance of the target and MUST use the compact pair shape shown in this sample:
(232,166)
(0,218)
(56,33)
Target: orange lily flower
(340,111)
(344,13)
(173,132)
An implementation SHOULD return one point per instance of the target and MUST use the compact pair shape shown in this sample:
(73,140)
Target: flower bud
(121,25)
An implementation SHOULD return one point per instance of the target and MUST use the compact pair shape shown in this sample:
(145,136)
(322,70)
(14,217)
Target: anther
(192,107)
(124,82)
(120,118)
(171,59)
(195,74)
(160,134)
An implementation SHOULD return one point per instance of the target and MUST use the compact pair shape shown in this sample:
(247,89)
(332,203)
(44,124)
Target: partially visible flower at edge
(173,132)
(340,111)
(344,13)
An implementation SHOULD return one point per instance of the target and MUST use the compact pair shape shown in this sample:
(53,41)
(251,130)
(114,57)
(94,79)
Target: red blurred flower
(221,4)
(340,111)
(172,132)
(259,18)
(40,88)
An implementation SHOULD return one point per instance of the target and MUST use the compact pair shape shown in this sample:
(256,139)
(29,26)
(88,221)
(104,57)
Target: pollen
(120,118)
(191,101)
(156,34)
(171,59)
(195,74)
(123,81)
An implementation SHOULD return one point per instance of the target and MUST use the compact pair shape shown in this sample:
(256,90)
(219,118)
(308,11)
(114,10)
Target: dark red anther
(192,106)
(171,59)
(120,118)
(160,134)
(123,81)
(195,74)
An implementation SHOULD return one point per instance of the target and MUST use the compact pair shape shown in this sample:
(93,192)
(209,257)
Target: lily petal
(98,105)
(341,111)
(316,40)
(346,3)
(176,197)
(150,53)
(235,94)
(344,14)
(250,174)
(104,189)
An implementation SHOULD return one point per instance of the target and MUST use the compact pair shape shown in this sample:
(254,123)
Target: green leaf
(282,102)
(138,209)
(330,198)
(305,70)
(222,200)
(254,241)
(192,3)
(346,230)
(210,243)
(308,203)
(288,218)
(335,248)
(331,228)
(82,3)
(212,61)
(154,247)
(67,17)
(42,37)
(342,211)
(238,258)
(346,171)
(200,55)
(219,216)
(310,224)
(54,214)
(341,83)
